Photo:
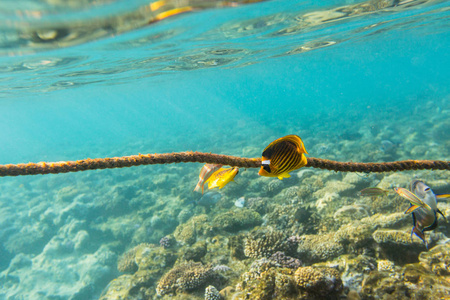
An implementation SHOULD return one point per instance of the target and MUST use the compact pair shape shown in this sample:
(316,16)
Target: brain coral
(183,277)
(264,243)
(319,282)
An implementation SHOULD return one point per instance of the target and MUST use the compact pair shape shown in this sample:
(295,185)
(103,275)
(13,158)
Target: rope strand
(210,158)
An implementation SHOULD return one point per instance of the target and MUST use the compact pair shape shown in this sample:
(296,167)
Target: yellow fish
(205,173)
(283,156)
(222,177)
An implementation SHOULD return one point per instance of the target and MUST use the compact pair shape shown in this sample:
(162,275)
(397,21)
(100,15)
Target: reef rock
(319,282)
(237,219)
(184,277)
(315,248)
(264,243)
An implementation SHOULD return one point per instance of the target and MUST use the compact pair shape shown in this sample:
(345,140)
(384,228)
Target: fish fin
(197,187)
(412,198)
(284,175)
(411,209)
(420,235)
(298,141)
(442,215)
(443,196)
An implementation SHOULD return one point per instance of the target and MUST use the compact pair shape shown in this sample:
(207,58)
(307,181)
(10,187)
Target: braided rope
(169,158)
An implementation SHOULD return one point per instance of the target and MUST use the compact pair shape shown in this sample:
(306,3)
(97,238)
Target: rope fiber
(210,158)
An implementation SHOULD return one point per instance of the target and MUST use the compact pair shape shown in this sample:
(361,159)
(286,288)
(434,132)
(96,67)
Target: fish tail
(419,233)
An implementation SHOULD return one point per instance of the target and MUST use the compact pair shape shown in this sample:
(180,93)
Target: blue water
(225,80)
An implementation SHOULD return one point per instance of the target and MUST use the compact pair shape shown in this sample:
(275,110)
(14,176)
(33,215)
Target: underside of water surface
(361,81)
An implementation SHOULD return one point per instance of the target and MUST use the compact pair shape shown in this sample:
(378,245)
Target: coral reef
(237,219)
(319,282)
(264,243)
(315,248)
(184,277)
(211,293)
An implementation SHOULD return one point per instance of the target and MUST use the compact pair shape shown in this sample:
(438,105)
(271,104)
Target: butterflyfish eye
(266,168)
(427,189)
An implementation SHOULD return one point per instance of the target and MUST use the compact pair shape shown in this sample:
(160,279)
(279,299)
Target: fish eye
(267,168)
(427,189)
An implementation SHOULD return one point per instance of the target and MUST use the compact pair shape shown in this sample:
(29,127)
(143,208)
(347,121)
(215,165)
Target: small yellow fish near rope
(282,156)
(222,177)
(205,173)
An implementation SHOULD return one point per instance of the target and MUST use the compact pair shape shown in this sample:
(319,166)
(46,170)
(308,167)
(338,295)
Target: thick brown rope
(169,158)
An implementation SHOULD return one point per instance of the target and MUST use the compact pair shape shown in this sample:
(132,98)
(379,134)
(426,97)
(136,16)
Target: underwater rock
(67,276)
(437,259)
(397,246)
(385,265)
(323,202)
(184,277)
(187,233)
(264,281)
(211,293)
(195,252)
(392,236)
(285,261)
(167,242)
(319,282)
(237,219)
(67,193)
(316,248)
(127,263)
(184,215)
(384,285)
(272,186)
(263,243)
(355,236)
(341,188)
(348,213)
(146,257)
(353,269)
(258,204)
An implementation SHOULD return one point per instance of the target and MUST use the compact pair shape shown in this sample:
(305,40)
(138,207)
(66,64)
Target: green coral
(237,219)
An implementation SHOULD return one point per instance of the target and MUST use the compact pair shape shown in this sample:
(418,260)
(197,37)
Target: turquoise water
(358,81)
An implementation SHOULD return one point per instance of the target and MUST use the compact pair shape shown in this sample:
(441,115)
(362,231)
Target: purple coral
(285,261)
(167,241)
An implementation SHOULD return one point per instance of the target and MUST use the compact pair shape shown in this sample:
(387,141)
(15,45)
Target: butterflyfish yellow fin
(443,196)
(284,175)
(412,198)
(298,141)
(411,209)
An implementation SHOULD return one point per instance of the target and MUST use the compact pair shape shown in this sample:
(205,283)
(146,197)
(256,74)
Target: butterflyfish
(222,177)
(423,207)
(205,173)
(283,156)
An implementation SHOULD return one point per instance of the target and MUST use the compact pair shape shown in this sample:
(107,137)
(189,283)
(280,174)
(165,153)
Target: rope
(210,158)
